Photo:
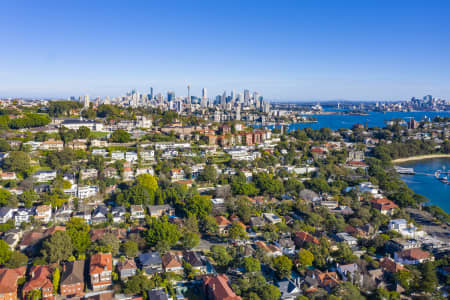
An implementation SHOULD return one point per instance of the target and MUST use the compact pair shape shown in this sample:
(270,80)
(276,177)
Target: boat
(404,171)
(443,176)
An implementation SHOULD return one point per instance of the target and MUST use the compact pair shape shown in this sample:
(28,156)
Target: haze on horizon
(289,50)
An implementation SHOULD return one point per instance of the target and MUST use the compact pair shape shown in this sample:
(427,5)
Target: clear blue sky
(302,50)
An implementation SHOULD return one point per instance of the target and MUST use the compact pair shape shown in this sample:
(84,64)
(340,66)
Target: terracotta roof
(306,237)
(383,204)
(390,265)
(222,221)
(219,287)
(31,238)
(8,279)
(414,254)
(170,260)
(128,264)
(53,229)
(40,279)
(100,262)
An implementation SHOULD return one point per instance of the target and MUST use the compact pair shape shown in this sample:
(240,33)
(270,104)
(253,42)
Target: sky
(285,50)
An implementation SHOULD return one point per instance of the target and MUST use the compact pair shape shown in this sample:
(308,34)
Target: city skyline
(291,52)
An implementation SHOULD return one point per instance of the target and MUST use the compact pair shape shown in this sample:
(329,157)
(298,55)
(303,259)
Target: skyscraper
(204,93)
(246,95)
(150,96)
(170,95)
(86,101)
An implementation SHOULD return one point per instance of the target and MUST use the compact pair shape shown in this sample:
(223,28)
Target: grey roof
(157,294)
(4,210)
(192,258)
(150,259)
(74,272)
(288,288)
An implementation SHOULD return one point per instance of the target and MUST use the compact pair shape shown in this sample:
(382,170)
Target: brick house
(218,288)
(8,282)
(72,279)
(40,279)
(100,271)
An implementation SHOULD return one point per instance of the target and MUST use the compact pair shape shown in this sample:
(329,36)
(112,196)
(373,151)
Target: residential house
(126,268)
(40,279)
(8,282)
(99,215)
(390,265)
(137,212)
(6,214)
(177,174)
(43,176)
(412,256)
(43,213)
(270,249)
(117,155)
(289,289)
(87,191)
(12,237)
(88,174)
(194,259)
(160,210)
(222,224)
(22,215)
(218,288)
(128,174)
(147,155)
(151,263)
(30,239)
(171,262)
(347,238)
(348,271)
(271,218)
(100,271)
(72,279)
(131,157)
(302,238)
(99,152)
(52,145)
(118,214)
(286,245)
(8,176)
(385,206)
(157,294)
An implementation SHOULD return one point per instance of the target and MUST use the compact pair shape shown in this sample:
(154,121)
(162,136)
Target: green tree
(29,197)
(17,161)
(162,230)
(17,259)
(236,232)
(83,132)
(283,266)
(5,197)
(190,240)
(57,247)
(305,257)
(270,292)
(138,284)
(5,252)
(148,181)
(35,294)
(4,146)
(109,243)
(221,255)
(251,264)
(78,231)
(429,280)
(120,136)
(209,174)
(130,248)
(198,206)
(209,225)
(55,279)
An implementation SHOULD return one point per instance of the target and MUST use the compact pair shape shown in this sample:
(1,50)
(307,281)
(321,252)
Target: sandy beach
(419,157)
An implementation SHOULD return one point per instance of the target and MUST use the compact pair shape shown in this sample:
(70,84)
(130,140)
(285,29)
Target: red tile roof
(8,279)
(99,262)
(220,289)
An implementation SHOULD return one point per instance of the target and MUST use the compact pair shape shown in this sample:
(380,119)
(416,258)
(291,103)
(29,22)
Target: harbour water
(438,193)
(373,119)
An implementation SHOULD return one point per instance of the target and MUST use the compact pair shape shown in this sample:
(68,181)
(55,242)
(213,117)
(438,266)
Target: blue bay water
(437,192)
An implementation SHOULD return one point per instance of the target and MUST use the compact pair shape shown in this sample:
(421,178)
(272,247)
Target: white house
(88,174)
(41,176)
(43,213)
(137,212)
(147,155)
(87,191)
(117,155)
(131,157)
(22,215)
(6,214)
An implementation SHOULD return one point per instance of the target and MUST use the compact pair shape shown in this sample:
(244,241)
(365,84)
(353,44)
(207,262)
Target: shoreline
(419,157)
